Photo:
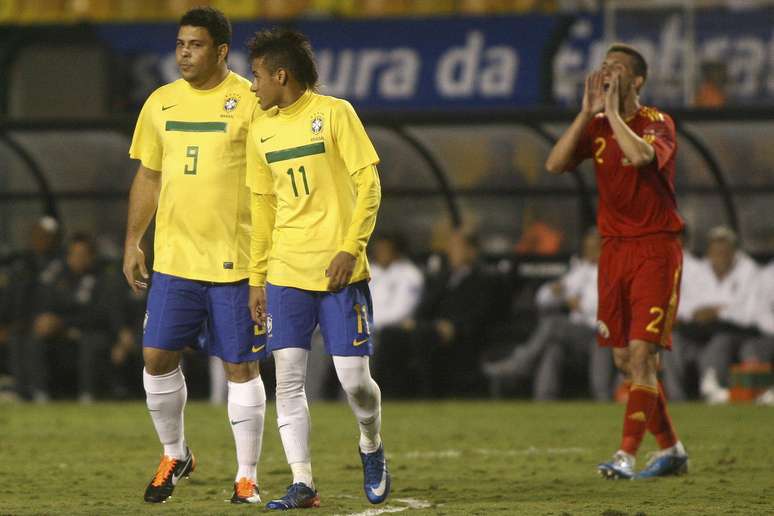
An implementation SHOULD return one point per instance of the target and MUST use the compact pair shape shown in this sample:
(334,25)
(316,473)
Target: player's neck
(213,80)
(290,96)
(629,107)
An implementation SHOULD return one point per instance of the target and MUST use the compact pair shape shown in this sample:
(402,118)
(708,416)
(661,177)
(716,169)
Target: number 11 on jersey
(292,175)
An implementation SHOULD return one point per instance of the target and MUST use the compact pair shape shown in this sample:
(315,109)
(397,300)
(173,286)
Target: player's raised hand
(134,262)
(594,93)
(613,96)
(340,271)
(257,304)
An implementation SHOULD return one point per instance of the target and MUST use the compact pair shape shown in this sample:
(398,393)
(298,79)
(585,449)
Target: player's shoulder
(652,114)
(166,92)
(239,82)
(335,104)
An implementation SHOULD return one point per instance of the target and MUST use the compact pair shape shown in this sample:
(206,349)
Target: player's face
(618,64)
(266,85)
(196,54)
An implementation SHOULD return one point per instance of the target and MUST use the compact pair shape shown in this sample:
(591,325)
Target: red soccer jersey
(633,202)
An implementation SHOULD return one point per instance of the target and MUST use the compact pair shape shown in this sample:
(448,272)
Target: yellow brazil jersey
(305,154)
(196,139)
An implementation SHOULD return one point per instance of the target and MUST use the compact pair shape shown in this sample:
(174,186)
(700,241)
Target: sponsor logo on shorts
(603,330)
(356,342)
(257,349)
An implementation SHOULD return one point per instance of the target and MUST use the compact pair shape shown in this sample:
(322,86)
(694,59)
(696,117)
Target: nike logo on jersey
(234,423)
(357,343)
(256,349)
(379,490)
(164,108)
(263,140)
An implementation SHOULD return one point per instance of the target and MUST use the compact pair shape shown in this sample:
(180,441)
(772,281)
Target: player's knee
(240,373)
(159,361)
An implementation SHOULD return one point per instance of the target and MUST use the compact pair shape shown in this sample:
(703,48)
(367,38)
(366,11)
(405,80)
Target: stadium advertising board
(740,42)
(427,64)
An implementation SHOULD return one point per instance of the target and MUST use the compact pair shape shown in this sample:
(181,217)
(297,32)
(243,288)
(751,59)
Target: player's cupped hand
(613,95)
(340,271)
(594,93)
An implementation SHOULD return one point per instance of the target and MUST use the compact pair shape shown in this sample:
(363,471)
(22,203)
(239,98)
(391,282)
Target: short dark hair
(285,48)
(640,66)
(211,19)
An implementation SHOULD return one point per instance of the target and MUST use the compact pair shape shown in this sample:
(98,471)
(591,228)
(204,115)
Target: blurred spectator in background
(436,353)
(711,92)
(28,270)
(564,335)
(75,319)
(396,283)
(714,317)
(761,349)
(396,289)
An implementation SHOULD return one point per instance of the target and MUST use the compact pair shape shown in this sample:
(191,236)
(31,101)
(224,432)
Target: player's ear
(282,76)
(638,83)
(222,51)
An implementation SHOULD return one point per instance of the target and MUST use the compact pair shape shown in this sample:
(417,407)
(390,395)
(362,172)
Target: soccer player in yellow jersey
(190,140)
(315,194)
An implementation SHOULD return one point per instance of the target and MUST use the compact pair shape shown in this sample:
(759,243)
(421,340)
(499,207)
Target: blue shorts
(345,318)
(179,310)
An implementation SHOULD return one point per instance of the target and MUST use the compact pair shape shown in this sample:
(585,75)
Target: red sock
(639,409)
(660,423)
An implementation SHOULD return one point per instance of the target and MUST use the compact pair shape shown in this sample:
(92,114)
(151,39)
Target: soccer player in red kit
(633,149)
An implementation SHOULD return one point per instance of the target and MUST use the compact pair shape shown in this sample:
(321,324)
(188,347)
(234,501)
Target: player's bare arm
(143,201)
(593,103)
(637,151)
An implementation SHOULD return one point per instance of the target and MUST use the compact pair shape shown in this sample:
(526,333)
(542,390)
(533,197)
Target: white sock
(293,411)
(364,398)
(302,472)
(246,409)
(165,396)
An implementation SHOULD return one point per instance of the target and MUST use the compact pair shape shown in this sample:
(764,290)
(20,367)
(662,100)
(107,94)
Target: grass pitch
(446,458)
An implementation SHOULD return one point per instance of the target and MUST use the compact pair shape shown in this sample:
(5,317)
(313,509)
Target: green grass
(457,457)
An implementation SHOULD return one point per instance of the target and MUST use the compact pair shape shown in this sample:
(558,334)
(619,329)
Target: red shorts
(639,288)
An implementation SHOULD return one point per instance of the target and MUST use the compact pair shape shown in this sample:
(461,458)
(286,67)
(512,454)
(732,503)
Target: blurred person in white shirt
(715,316)
(565,333)
(396,289)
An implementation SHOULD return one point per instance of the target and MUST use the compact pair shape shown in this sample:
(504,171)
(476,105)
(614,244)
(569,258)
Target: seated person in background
(714,317)
(396,288)
(760,349)
(564,335)
(436,353)
(396,283)
(76,319)
(28,269)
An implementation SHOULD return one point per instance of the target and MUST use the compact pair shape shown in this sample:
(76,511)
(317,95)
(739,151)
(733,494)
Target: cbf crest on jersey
(231,101)
(317,123)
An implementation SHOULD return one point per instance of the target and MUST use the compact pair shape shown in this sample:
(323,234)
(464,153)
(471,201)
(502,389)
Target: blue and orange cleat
(669,462)
(376,476)
(621,467)
(299,496)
